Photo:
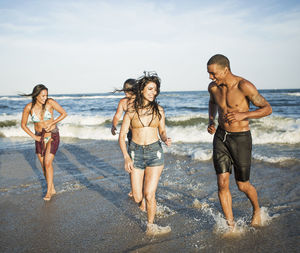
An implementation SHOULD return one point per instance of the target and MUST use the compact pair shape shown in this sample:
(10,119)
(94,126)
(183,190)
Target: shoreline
(92,212)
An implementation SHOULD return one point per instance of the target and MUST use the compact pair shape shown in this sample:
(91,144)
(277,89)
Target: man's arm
(212,112)
(117,116)
(250,91)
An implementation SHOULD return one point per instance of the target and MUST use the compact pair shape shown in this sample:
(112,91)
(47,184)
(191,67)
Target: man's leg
(251,193)
(225,197)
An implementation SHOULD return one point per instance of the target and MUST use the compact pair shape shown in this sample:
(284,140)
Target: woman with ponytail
(46,134)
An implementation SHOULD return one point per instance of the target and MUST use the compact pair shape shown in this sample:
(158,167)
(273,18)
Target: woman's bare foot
(231,225)
(143,205)
(53,192)
(47,197)
(154,229)
(256,219)
(130,195)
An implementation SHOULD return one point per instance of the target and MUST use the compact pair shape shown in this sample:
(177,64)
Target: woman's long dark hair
(139,98)
(35,92)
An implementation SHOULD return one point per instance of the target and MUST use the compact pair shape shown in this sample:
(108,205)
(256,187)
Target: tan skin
(144,182)
(230,96)
(122,107)
(49,125)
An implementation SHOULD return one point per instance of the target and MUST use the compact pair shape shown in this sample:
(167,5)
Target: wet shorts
(146,155)
(233,148)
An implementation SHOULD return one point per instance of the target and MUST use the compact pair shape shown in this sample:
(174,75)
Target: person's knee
(47,163)
(150,196)
(137,198)
(223,184)
(243,186)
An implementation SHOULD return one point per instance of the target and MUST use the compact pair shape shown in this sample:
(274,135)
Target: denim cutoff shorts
(146,155)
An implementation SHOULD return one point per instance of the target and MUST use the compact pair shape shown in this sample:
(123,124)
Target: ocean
(187,192)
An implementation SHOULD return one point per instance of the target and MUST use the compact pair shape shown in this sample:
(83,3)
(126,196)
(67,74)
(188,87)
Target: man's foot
(143,205)
(130,195)
(231,225)
(256,219)
(154,229)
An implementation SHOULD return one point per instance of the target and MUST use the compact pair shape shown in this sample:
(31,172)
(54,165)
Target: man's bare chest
(230,99)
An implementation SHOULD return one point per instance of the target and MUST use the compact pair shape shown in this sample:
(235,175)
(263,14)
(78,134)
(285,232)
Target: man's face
(217,73)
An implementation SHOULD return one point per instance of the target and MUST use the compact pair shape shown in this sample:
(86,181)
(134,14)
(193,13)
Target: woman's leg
(152,175)
(48,160)
(41,159)
(137,182)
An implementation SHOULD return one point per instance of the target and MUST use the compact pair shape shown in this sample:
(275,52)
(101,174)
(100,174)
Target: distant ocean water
(276,138)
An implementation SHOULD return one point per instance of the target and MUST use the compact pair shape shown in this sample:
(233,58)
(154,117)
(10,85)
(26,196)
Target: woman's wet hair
(35,92)
(149,76)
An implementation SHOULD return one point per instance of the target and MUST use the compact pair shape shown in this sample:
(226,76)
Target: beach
(92,212)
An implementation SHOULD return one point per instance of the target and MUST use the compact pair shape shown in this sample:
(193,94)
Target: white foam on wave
(80,120)
(276,130)
(277,159)
(187,117)
(191,134)
(196,153)
(267,130)
(15,98)
(55,97)
(297,94)
(86,97)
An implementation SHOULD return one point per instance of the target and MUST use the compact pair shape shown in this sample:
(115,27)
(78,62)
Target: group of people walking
(144,126)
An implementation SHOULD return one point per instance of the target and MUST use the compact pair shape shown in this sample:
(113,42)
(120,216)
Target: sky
(94,46)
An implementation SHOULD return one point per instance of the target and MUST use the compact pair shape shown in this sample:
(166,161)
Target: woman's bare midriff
(145,135)
(38,127)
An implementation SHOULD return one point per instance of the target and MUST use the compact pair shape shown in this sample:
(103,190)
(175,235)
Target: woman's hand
(168,142)
(128,164)
(37,138)
(48,127)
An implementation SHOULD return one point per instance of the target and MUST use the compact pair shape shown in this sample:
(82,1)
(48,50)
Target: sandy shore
(92,212)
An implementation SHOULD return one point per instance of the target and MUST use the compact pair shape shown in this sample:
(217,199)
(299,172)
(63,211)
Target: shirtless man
(123,106)
(230,96)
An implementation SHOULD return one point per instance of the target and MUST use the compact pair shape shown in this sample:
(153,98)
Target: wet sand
(92,212)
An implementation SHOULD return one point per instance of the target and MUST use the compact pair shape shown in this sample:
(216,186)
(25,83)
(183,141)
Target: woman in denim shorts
(144,159)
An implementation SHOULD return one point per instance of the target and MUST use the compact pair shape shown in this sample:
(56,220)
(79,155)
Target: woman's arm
(60,110)
(24,121)
(128,164)
(162,128)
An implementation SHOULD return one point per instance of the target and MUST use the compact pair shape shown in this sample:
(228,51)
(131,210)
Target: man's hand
(232,117)
(211,128)
(113,130)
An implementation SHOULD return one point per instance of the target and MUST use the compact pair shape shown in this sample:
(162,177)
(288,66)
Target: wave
(55,97)
(297,94)
(182,129)
(8,123)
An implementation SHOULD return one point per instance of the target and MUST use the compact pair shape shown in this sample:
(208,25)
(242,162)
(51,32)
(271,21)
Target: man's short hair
(219,59)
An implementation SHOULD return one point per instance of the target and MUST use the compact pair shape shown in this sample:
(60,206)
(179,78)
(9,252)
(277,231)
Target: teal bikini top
(36,119)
